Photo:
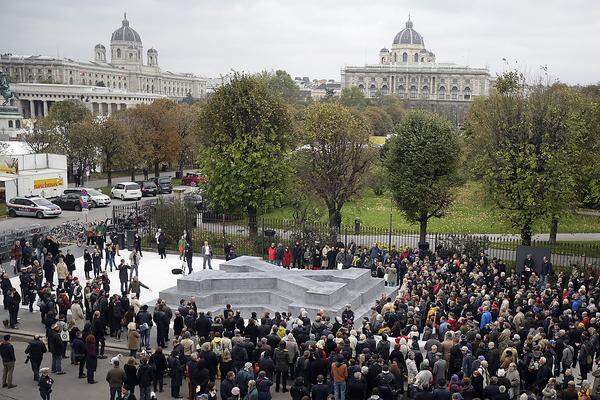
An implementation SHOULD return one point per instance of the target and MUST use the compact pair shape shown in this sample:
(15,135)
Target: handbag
(64,336)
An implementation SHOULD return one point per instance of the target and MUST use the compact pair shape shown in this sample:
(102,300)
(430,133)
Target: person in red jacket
(272,253)
(287,258)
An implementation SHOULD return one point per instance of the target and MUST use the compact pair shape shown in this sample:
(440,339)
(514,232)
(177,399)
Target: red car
(193,179)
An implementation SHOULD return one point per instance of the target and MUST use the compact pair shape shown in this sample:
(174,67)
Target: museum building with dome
(124,75)
(409,70)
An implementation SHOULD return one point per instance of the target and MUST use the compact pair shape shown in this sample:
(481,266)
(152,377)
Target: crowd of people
(456,328)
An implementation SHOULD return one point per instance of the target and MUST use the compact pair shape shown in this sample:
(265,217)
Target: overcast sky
(316,38)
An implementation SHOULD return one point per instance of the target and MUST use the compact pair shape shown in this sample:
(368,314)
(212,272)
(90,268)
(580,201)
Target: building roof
(125,33)
(408,35)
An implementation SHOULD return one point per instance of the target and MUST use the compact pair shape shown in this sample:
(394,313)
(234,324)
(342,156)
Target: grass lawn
(2,210)
(468,214)
(588,248)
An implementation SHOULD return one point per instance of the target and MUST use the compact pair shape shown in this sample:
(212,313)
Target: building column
(45,108)
(32,108)
(114,107)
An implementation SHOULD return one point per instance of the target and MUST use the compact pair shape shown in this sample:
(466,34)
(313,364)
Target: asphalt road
(95,214)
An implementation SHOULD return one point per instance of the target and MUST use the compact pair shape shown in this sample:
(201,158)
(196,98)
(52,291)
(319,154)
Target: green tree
(281,83)
(109,140)
(380,121)
(524,143)
(156,123)
(186,122)
(353,97)
(421,162)
(62,128)
(337,155)
(245,130)
(81,144)
(43,138)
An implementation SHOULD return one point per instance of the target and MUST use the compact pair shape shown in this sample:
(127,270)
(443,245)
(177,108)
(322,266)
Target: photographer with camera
(35,354)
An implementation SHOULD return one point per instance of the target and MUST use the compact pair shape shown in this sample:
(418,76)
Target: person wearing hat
(45,384)
(35,351)
(7,353)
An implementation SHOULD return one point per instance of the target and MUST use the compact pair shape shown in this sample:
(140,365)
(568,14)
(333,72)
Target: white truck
(42,175)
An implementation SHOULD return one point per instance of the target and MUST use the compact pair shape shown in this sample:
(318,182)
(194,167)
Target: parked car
(164,184)
(193,179)
(97,198)
(148,188)
(126,190)
(32,207)
(72,201)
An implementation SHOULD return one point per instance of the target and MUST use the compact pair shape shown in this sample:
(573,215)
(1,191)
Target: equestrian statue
(5,89)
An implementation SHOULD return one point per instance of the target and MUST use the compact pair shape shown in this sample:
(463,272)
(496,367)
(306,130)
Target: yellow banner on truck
(47,183)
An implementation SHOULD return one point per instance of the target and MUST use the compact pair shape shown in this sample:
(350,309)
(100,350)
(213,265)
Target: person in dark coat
(299,390)
(145,377)
(227,384)
(35,351)
(91,359)
(176,372)
(263,385)
(78,351)
(45,384)
(320,391)
(55,346)
(159,363)
(130,375)
(87,263)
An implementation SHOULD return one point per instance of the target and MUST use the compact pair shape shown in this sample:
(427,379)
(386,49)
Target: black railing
(254,239)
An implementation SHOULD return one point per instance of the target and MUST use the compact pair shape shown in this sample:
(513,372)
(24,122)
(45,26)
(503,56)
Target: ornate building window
(395,57)
(118,53)
(442,93)
(372,91)
(401,91)
(361,87)
(404,57)
(454,93)
(413,92)
(10,123)
(70,81)
(425,92)
(384,90)
(467,93)
(416,57)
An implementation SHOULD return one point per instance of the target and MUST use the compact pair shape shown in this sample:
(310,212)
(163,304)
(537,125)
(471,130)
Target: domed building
(124,80)
(125,45)
(410,71)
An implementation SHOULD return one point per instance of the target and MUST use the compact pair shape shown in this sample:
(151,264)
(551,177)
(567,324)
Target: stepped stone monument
(251,284)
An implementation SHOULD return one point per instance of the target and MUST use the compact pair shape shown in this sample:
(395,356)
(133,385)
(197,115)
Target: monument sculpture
(7,94)
(251,284)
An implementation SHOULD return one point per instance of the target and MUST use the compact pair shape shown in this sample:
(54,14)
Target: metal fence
(8,237)
(255,238)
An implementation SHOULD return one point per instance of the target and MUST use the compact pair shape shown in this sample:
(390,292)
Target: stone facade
(411,72)
(125,72)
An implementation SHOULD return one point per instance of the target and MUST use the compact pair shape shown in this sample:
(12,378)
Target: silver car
(32,207)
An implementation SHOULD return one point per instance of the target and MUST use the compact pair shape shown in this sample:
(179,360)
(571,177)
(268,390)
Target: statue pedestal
(11,122)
